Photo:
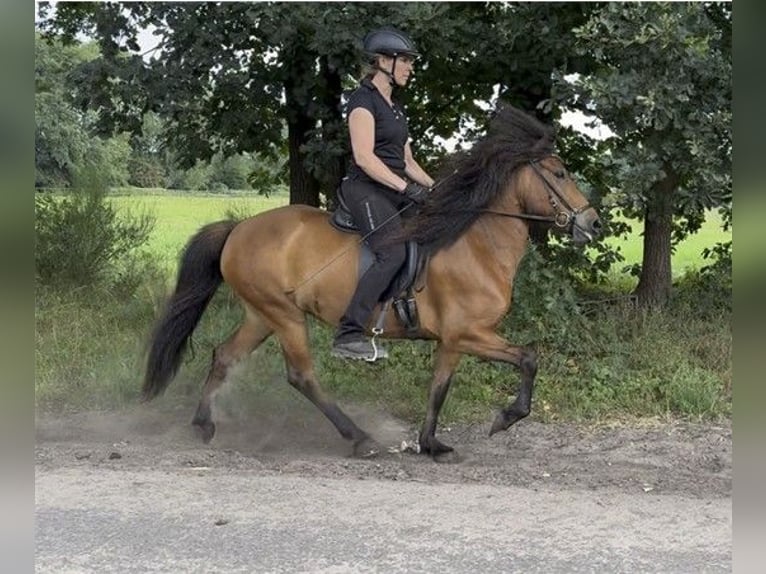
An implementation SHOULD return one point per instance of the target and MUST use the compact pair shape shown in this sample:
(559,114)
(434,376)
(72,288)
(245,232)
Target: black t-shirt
(391,131)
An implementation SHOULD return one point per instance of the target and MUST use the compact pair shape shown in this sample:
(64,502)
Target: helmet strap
(393,69)
(390,74)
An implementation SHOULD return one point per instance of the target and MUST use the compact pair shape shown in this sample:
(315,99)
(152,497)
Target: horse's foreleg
(237,347)
(493,347)
(300,374)
(522,405)
(445,364)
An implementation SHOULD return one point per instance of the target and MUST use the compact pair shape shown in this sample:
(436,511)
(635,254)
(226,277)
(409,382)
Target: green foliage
(65,146)
(240,77)
(196,178)
(635,363)
(60,141)
(707,291)
(230,173)
(661,81)
(109,159)
(546,308)
(149,161)
(81,239)
(146,172)
(238,172)
(664,87)
(268,175)
(601,357)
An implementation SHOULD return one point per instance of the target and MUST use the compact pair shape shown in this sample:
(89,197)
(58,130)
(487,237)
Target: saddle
(401,290)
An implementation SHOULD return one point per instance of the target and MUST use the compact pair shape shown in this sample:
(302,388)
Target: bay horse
(475,225)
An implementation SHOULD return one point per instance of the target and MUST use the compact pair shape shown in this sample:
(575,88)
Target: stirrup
(377,330)
(368,352)
(379,352)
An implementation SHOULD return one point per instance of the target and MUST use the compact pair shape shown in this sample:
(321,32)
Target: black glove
(416,192)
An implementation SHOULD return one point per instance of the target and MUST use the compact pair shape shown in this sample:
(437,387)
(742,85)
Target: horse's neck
(503,239)
(507,237)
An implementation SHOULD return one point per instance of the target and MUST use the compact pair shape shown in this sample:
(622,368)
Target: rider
(382,179)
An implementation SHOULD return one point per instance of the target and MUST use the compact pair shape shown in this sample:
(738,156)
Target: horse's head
(550,194)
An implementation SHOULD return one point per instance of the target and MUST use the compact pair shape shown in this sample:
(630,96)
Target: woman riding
(383,178)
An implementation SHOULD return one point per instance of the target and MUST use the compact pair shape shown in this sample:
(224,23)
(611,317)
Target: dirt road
(137,492)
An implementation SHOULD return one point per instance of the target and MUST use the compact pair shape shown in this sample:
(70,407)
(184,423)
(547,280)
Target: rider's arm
(413,170)
(361,127)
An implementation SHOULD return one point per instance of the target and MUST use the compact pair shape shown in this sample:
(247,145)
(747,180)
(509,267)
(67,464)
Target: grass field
(687,254)
(180,215)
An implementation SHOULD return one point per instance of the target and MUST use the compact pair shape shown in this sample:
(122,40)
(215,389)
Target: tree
(148,158)
(64,142)
(662,83)
(61,140)
(229,77)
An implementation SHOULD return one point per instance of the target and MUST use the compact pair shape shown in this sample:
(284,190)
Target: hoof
(206,431)
(366,448)
(499,424)
(435,448)
(505,419)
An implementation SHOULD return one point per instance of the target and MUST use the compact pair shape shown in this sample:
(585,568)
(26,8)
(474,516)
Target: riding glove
(416,192)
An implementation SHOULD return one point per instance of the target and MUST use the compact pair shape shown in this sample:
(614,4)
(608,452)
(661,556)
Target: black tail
(199,277)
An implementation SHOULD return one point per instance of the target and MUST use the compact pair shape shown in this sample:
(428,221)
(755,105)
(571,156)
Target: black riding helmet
(390,42)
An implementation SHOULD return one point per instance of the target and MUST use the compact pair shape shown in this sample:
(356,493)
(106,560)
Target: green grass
(179,216)
(688,253)
(639,364)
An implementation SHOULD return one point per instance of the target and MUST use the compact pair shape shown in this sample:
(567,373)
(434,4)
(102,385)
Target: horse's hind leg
(293,336)
(237,347)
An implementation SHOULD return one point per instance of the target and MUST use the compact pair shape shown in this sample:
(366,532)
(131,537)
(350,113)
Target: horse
(289,262)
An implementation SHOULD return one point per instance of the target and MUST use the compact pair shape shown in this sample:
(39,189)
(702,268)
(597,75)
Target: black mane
(476,177)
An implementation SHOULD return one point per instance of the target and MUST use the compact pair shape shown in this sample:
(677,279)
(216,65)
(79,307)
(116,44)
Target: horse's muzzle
(586,226)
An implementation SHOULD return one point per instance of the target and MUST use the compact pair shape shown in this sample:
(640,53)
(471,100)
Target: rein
(528,216)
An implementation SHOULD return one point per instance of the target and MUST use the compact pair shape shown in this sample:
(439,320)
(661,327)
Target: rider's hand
(416,192)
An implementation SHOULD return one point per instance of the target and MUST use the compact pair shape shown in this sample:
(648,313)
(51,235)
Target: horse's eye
(561,174)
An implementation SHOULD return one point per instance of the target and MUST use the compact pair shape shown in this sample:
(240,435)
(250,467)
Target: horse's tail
(199,277)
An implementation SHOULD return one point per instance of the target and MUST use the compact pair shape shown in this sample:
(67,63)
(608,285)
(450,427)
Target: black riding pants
(374,208)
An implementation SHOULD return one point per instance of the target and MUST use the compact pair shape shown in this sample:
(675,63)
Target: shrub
(545,305)
(82,240)
(146,172)
(230,172)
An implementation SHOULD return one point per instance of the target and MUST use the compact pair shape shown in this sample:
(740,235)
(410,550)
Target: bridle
(565,214)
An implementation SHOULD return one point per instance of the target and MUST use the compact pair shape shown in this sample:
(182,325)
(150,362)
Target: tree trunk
(656,280)
(304,188)
(333,130)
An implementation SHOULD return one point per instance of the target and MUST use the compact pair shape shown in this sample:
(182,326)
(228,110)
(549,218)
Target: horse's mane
(475,178)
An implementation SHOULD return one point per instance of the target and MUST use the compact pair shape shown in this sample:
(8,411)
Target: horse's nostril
(596,225)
